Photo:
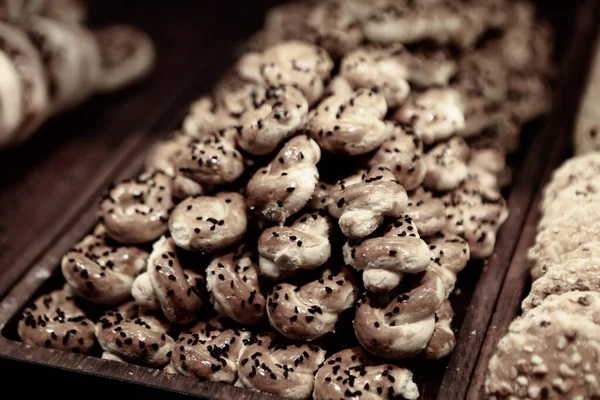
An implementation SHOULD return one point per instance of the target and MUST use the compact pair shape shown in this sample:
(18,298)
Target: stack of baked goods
(553,350)
(303,232)
(50,61)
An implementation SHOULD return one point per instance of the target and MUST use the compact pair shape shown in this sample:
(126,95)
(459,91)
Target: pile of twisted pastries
(241,204)
(50,61)
(553,350)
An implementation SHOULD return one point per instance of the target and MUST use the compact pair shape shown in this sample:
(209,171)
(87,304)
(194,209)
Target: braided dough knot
(285,186)
(362,376)
(206,117)
(385,259)
(55,321)
(304,245)
(403,327)
(234,289)
(209,223)
(427,212)
(276,114)
(294,63)
(363,200)
(449,255)
(209,350)
(310,311)
(137,210)
(447,165)
(100,271)
(350,122)
(286,371)
(130,334)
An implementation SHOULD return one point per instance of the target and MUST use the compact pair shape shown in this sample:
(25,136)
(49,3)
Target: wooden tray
(479,286)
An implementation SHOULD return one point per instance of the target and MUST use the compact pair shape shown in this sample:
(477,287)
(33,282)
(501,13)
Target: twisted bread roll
(436,114)
(529,96)
(304,245)
(390,68)
(285,186)
(209,350)
(310,311)
(276,114)
(137,210)
(402,154)
(427,212)
(442,341)
(210,160)
(209,223)
(363,200)
(350,122)
(489,156)
(350,373)
(385,259)
(285,371)
(446,165)
(403,327)
(206,116)
(233,286)
(294,63)
(449,255)
(176,291)
(100,271)
(476,212)
(55,321)
(135,335)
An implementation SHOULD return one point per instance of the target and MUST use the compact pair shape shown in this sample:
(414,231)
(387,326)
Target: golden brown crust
(310,311)
(209,223)
(426,211)
(402,154)
(285,186)
(294,63)
(286,371)
(385,259)
(350,122)
(135,335)
(234,289)
(137,211)
(447,165)
(100,271)
(363,200)
(276,114)
(304,245)
(403,327)
(350,373)
(209,350)
(55,321)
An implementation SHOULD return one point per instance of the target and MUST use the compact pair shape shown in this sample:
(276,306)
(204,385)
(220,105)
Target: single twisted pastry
(385,259)
(209,350)
(134,335)
(351,373)
(206,116)
(402,154)
(100,271)
(488,157)
(304,245)
(350,122)
(137,211)
(285,371)
(390,68)
(427,212)
(476,212)
(310,311)
(442,341)
(161,157)
(276,114)
(285,186)
(211,159)
(529,95)
(363,200)
(233,286)
(446,165)
(209,223)
(449,255)
(294,63)
(55,321)
(173,289)
(404,326)
(436,114)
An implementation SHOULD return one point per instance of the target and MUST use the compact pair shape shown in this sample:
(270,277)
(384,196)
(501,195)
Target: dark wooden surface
(518,280)
(78,154)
